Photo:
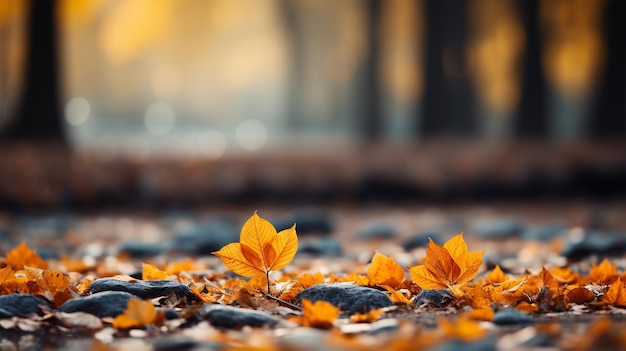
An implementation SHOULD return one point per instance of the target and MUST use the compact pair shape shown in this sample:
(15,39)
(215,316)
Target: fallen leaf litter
(445,298)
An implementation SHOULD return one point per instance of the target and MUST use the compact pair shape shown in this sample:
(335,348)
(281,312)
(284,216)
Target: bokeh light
(211,144)
(251,134)
(159,118)
(77,111)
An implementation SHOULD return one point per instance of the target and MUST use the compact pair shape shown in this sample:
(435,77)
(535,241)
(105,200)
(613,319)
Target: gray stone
(103,304)
(204,238)
(349,298)
(145,289)
(511,316)
(497,229)
(380,230)
(434,298)
(598,243)
(230,317)
(544,233)
(21,305)
(421,240)
(138,249)
(307,221)
(326,246)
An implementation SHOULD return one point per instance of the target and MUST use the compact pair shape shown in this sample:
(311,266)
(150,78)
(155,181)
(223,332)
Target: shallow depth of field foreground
(340,279)
(312,175)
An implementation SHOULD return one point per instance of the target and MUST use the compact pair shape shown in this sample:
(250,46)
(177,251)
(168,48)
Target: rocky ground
(198,304)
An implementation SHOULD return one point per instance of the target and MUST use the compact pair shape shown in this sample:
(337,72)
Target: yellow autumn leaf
(320,314)
(260,249)
(385,271)
(463,328)
(150,272)
(371,316)
(395,296)
(138,313)
(484,313)
(446,265)
(23,256)
(496,276)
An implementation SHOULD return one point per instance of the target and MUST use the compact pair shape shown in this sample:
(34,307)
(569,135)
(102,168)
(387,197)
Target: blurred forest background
(192,101)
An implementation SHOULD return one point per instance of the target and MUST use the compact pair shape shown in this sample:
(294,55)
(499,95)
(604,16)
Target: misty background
(191,100)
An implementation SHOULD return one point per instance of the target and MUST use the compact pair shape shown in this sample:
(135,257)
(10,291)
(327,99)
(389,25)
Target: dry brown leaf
(580,295)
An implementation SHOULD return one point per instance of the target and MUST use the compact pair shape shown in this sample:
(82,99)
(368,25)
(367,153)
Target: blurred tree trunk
(38,115)
(447,104)
(295,75)
(372,128)
(608,117)
(530,119)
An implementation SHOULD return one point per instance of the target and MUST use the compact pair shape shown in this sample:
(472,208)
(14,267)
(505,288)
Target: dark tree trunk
(608,117)
(38,115)
(295,88)
(530,119)
(372,126)
(447,104)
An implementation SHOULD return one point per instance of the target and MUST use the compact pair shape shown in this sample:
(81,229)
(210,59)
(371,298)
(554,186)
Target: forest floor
(544,250)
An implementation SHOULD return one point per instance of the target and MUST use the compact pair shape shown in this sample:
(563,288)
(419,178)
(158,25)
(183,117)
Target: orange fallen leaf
(385,271)
(23,256)
(395,295)
(308,280)
(548,280)
(320,314)
(446,265)
(481,314)
(8,283)
(564,275)
(260,250)
(150,272)
(371,316)
(138,313)
(603,274)
(496,276)
(462,328)
(616,295)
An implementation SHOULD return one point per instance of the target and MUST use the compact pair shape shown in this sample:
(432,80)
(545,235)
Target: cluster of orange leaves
(25,272)
(262,250)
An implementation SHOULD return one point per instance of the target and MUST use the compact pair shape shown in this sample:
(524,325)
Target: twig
(288,304)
